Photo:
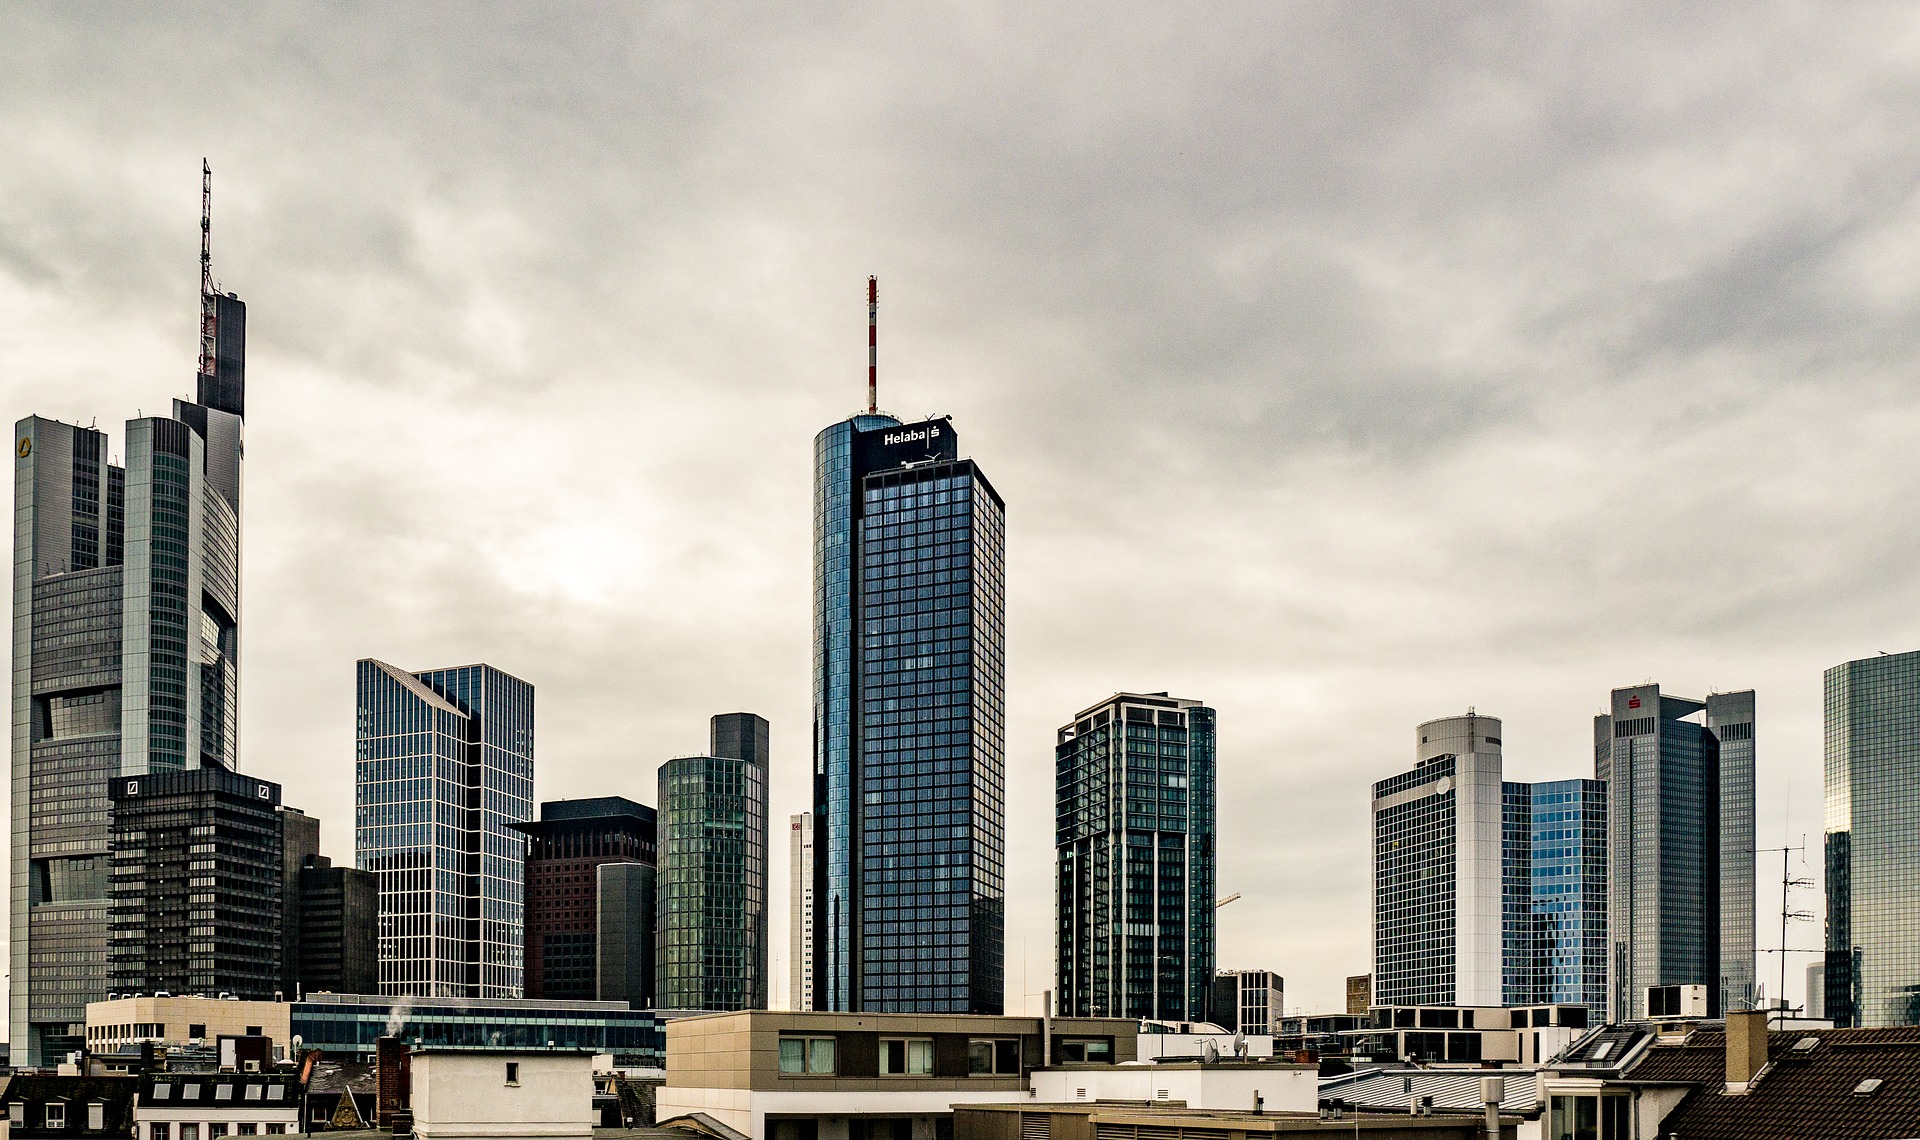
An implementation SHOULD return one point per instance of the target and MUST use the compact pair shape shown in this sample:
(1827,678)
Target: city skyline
(1332,409)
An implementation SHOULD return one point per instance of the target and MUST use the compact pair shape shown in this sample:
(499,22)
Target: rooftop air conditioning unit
(1675,1002)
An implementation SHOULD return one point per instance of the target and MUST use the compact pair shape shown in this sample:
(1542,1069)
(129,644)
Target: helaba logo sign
(922,435)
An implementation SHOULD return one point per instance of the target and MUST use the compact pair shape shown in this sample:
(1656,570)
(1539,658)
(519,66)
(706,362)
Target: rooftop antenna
(206,272)
(873,345)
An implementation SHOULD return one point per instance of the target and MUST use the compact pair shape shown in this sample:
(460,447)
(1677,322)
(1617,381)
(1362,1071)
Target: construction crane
(1225,901)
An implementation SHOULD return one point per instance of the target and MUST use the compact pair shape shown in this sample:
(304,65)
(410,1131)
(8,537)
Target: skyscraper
(299,846)
(1438,886)
(1872,975)
(339,950)
(444,768)
(800,911)
(712,899)
(565,850)
(909,750)
(1134,858)
(196,891)
(126,630)
(1680,845)
(1568,895)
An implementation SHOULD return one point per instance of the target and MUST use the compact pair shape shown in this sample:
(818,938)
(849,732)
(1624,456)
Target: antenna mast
(873,345)
(206,271)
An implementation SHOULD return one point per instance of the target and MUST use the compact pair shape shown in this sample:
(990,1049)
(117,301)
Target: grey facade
(711,949)
(444,769)
(1134,862)
(126,631)
(300,843)
(196,901)
(625,902)
(1872,974)
(909,749)
(1248,1001)
(338,951)
(1680,845)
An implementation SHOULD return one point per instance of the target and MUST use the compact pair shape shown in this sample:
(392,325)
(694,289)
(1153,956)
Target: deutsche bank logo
(260,790)
(133,787)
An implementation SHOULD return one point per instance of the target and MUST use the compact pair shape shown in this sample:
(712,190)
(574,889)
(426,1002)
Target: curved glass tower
(909,729)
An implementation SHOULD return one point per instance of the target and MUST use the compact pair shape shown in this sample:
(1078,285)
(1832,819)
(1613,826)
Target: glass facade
(125,662)
(1134,803)
(444,769)
(1680,847)
(346,1026)
(1568,835)
(1872,975)
(1414,829)
(712,894)
(909,749)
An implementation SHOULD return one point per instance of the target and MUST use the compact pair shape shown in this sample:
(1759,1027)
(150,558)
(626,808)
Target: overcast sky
(1343,366)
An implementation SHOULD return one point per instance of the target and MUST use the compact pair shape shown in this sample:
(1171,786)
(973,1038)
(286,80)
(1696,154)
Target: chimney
(1746,1049)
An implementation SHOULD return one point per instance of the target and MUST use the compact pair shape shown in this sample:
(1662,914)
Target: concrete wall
(467,1095)
(1282,1088)
(176,1015)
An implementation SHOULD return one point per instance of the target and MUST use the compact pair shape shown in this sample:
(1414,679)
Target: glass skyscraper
(909,745)
(126,647)
(712,900)
(444,768)
(1567,830)
(1872,975)
(1680,846)
(1134,859)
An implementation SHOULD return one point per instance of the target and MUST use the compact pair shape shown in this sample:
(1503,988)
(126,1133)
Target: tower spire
(873,345)
(207,318)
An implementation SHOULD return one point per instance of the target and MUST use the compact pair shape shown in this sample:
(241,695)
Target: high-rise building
(1568,893)
(1679,776)
(712,944)
(1439,834)
(126,631)
(1134,858)
(909,748)
(444,770)
(1872,975)
(1816,1005)
(195,897)
(800,911)
(299,843)
(565,850)
(339,923)
(1248,1001)
(625,902)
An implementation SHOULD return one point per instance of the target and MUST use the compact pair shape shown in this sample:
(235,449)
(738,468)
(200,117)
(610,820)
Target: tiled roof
(1803,1094)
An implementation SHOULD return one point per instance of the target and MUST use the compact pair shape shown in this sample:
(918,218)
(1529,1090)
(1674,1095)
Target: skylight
(1868,1087)
(1806,1045)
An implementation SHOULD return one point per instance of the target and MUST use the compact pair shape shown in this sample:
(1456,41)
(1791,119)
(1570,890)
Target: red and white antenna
(873,346)
(207,318)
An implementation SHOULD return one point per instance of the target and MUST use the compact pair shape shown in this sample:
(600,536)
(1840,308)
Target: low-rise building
(1197,1039)
(346,1026)
(44,1105)
(206,1106)
(1468,1035)
(775,1075)
(1135,1121)
(169,1020)
(1274,1086)
(464,1094)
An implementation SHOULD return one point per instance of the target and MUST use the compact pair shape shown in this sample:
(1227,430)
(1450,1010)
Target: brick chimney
(1746,1049)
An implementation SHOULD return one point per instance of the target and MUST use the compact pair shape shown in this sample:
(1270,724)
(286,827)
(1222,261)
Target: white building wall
(800,920)
(1152,1046)
(467,1095)
(1289,1088)
(1478,957)
(748,1110)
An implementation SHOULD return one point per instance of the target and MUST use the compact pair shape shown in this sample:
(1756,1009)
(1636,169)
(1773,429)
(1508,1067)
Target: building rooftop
(1838,1084)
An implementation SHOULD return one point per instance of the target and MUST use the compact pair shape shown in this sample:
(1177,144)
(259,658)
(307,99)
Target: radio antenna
(873,345)
(206,273)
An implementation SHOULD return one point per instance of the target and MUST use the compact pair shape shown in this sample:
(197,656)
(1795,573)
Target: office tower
(1680,846)
(300,841)
(1248,1001)
(444,771)
(800,911)
(909,745)
(1438,889)
(195,896)
(1816,1004)
(339,924)
(1567,890)
(1521,980)
(1134,858)
(625,902)
(565,849)
(126,620)
(1872,975)
(1359,993)
(713,872)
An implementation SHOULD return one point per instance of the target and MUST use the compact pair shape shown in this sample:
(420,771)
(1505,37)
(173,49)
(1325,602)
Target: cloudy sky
(1343,366)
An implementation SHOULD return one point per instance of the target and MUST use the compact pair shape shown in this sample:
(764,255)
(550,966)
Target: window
(513,1072)
(997,1056)
(223,1092)
(1589,1118)
(906,1056)
(56,1115)
(160,1130)
(189,1092)
(1073,1050)
(190,1132)
(253,1092)
(276,1092)
(17,1113)
(215,1131)
(162,1091)
(255,1031)
(276,1129)
(248,1130)
(96,1116)
(809,1056)
(196,1031)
